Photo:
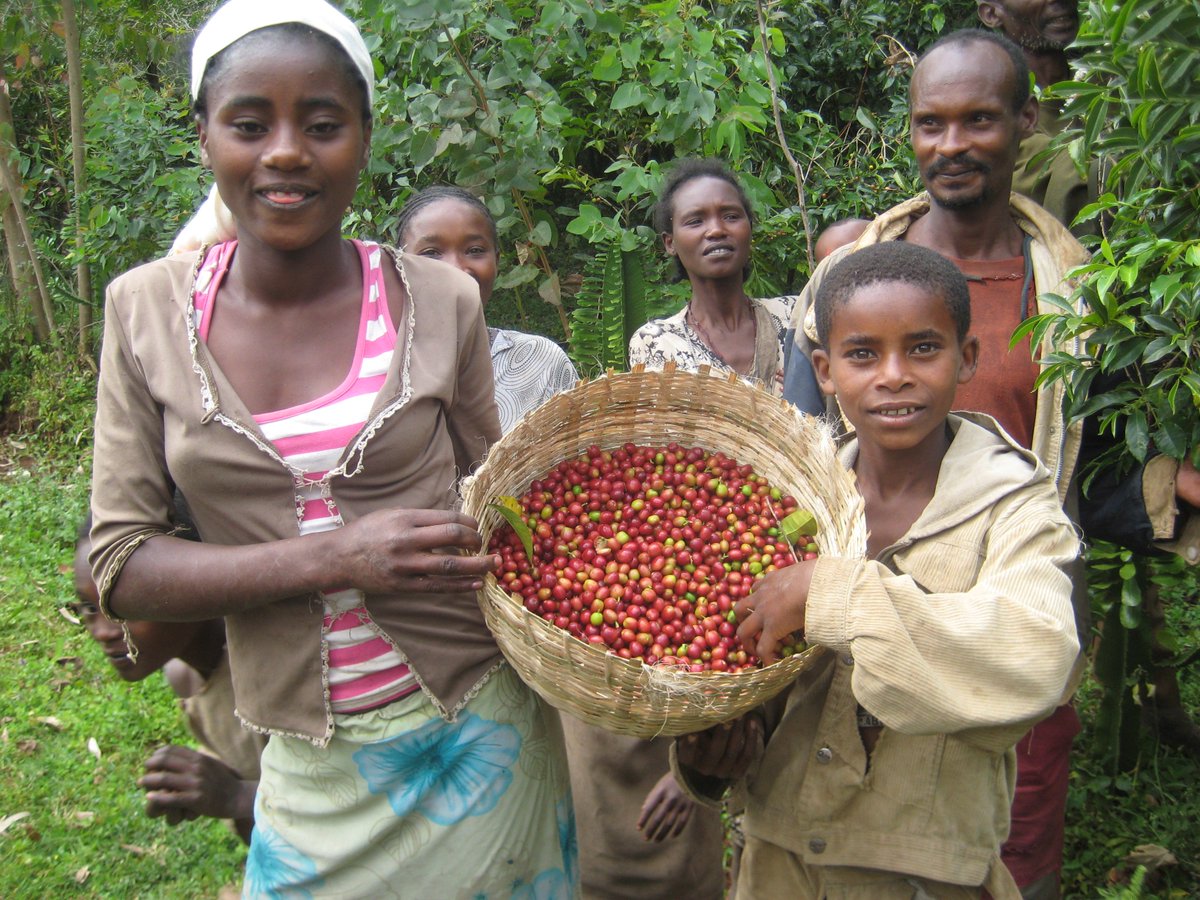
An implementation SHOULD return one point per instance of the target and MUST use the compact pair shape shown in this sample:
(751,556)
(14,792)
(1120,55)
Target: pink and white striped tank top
(365,669)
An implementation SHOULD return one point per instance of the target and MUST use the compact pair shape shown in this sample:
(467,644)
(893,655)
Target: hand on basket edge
(395,550)
(775,609)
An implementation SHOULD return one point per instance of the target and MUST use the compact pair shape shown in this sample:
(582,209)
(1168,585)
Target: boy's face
(894,362)
(157,642)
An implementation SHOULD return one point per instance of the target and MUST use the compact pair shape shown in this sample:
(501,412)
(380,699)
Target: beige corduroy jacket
(958,637)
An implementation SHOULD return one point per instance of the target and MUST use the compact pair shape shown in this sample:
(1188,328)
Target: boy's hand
(774,609)
(724,751)
(182,784)
(665,811)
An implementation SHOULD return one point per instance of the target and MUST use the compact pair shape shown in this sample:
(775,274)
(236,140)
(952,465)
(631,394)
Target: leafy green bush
(548,110)
(142,181)
(1134,317)
(47,399)
(564,115)
(1136,110)
(148,180)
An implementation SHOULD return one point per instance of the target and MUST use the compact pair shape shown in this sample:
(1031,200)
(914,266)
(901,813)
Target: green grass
(86,834)
(1108,817)
(1157,803)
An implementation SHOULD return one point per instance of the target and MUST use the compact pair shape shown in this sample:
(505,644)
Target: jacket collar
(981,455)
(220,402)
(1030,218)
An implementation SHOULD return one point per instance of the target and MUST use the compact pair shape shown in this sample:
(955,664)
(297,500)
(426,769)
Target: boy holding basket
(887,771)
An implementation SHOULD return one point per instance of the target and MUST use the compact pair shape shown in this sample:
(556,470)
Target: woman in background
(455,226)
(705,220)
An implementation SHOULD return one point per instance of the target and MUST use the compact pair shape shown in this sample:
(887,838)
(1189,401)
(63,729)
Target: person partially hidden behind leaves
(1044,30)
(182,784)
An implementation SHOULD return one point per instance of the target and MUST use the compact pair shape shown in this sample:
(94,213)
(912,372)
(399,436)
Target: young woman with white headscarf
(314,399)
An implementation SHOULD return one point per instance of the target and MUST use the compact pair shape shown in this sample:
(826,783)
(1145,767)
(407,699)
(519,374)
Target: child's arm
(996,652)
(473,419)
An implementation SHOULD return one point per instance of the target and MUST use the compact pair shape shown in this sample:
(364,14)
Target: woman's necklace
(690,318)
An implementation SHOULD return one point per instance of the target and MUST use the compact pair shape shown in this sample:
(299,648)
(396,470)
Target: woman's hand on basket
(665,811)
(774,610)
(396,550)
(724,751)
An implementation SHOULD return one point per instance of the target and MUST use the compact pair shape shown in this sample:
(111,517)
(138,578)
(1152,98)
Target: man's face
(1035,25)
(964,131)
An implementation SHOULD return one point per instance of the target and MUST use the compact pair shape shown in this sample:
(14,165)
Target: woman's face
(457,233)
(710,229)
(285,138)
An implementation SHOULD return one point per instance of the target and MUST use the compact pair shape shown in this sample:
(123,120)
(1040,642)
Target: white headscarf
(234,20)
(237,18)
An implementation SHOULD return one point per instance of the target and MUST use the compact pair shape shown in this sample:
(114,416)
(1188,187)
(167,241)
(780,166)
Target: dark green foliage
(143,179)
(550,111)
(1134,317)
(1122,658)
(1136,107)
(564,115)
(616,297)
(147,182)
(46,397)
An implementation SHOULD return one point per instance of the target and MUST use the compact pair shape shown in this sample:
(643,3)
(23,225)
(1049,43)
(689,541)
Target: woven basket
(719,413)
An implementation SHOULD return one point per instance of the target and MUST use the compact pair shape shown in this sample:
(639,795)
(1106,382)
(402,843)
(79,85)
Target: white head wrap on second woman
(237,18)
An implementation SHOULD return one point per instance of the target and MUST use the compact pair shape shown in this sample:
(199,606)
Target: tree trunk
(20,271)
(83,277)
(28,282)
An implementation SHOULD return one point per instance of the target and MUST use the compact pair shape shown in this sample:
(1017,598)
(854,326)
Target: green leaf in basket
(800,522)
(510,511)
(510,502)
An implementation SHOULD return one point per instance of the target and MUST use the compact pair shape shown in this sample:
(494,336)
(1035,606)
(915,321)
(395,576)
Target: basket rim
(569,420)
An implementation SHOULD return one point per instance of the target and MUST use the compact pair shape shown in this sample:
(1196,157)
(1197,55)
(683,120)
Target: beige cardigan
(166,416)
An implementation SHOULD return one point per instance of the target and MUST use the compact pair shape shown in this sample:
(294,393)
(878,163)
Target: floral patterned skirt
(402,803)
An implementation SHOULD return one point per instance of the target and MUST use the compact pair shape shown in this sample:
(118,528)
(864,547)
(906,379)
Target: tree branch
(797,173)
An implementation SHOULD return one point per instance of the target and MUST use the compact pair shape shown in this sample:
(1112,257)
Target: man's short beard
(959,204)
(1039,43)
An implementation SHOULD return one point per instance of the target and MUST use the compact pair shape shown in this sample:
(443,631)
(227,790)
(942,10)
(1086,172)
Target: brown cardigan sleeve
(474,420)
(131,490)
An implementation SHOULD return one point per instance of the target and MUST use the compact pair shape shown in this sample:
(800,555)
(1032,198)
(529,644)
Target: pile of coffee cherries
(644,551)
